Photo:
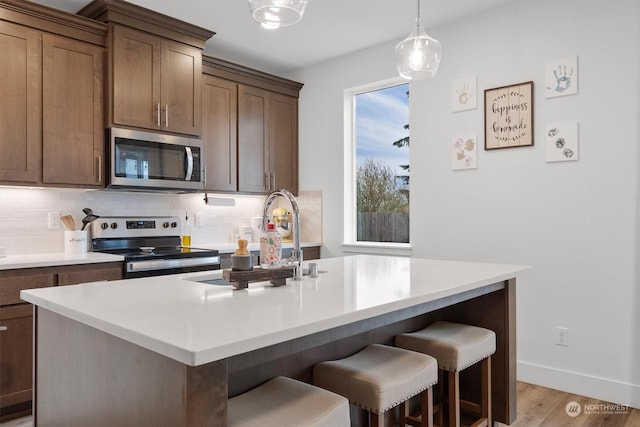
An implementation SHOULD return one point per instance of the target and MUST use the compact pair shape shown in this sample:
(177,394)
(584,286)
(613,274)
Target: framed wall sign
(508,116)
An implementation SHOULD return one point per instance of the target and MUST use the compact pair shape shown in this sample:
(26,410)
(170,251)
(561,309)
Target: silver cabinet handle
(158,115)
(3,328)
(166,115)
(99,162)
(273,176)
(267,181)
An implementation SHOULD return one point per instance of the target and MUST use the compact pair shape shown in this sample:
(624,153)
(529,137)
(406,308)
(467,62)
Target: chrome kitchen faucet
(296,254)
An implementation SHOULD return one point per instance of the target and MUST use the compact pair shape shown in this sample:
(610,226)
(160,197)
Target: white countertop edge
(195,357)
(14,262)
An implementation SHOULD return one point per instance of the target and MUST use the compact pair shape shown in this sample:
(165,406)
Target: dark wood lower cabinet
(16,326)
(16,349)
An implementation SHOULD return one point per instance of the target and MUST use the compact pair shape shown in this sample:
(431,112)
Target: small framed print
(562,142)
(561,77)
(464,94)
(508,116)
(464,153)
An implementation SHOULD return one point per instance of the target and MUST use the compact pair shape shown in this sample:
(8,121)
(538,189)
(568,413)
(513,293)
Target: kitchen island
(169,350)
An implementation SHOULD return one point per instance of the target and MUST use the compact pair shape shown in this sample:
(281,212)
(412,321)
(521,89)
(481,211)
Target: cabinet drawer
(89,273)
(12,282)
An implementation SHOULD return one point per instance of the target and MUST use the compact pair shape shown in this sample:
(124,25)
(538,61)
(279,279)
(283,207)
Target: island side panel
(495,311)
(87,377)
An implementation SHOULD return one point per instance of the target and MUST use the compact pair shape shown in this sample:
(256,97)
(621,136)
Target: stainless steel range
(151,246)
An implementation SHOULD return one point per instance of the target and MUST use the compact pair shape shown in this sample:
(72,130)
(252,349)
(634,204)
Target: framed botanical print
(508,116)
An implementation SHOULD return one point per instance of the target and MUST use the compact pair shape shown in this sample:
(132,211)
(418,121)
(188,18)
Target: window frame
(350,242)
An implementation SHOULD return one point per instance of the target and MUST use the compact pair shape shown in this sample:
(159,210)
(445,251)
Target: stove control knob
(174,224)
(114,225)
(165,225)
(104,225)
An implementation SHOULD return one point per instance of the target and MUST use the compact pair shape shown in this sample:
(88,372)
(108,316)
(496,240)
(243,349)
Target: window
(377,151)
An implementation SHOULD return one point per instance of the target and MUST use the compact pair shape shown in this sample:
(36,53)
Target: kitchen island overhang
(245,336)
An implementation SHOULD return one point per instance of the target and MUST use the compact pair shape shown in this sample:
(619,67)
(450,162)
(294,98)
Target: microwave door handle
(189,163)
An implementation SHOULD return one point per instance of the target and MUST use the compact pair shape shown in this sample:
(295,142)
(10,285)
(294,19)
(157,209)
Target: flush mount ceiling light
(272,14)
(418,56)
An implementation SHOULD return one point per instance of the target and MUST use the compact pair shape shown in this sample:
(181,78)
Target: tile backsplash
(24,214)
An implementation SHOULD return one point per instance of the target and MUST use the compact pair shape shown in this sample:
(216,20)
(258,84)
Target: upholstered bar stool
(456,347)
(379,378)
(284,402)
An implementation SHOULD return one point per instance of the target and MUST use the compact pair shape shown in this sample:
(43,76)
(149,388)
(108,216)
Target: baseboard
(577,383)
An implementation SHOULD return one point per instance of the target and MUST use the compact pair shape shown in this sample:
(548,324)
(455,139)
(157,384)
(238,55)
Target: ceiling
(330,28)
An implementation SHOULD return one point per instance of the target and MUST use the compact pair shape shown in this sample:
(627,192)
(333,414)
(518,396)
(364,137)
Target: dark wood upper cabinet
(267,141)
(51,108)
(135,60)
(155,64)
(267,129)
(156,82)
(20,103)
(283,141)
(219,133)
(73,123)
(253,139)
(181,88)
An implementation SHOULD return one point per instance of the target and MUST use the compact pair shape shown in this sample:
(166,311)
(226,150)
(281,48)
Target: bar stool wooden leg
(377,420)
(454,399)
(485,402)
(404,412)
(426,407)
(440,404)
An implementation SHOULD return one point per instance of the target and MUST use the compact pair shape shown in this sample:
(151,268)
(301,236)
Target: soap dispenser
(270,247)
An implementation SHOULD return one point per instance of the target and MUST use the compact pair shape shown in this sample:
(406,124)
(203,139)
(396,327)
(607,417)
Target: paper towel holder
(219,201)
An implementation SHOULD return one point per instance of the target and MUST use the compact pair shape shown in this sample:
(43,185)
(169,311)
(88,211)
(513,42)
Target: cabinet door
(20,104)
(283,142)
(219,133)
(253,134)
(16,342)
(73,126)
(181,92)
(136,78)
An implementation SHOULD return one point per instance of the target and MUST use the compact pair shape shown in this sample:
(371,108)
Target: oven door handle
(189,171)
(162,264)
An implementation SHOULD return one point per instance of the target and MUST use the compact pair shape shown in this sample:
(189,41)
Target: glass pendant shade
(418,56)
(272,14)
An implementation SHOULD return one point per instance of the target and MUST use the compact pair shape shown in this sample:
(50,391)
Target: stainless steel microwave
(152,161)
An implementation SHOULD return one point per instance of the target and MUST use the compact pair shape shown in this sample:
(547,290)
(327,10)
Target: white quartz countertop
(197,323)
(55,259)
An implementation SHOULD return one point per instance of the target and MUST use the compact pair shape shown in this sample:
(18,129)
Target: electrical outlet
(562,336)
(198,218)
(54,220)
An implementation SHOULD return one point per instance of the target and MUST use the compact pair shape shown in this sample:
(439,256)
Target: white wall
(574,222)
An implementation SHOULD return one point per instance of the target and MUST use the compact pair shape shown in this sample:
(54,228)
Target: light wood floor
(540,406)
(537,406)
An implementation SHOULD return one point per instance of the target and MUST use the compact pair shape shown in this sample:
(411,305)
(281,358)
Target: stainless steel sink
(217,282)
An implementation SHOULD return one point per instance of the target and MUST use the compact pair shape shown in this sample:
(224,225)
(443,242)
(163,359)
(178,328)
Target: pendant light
(272,14)
(418,56)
